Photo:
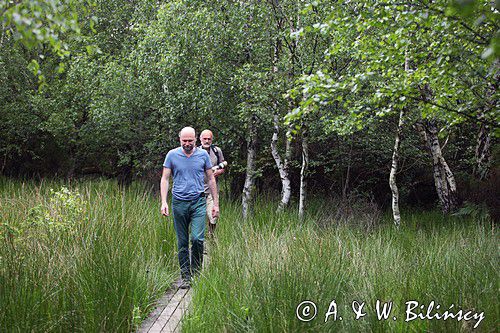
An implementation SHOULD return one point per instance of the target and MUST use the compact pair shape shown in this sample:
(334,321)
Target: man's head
(187,138)
(206,138)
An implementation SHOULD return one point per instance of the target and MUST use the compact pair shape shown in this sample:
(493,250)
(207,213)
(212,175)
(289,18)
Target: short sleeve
(168,160)
(208,163)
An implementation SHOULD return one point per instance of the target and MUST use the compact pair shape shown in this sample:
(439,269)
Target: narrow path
(167,315)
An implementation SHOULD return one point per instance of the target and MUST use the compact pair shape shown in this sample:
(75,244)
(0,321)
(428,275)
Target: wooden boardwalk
(167,315)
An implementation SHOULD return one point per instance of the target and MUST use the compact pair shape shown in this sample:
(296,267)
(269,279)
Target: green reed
(261,269)
(87,256)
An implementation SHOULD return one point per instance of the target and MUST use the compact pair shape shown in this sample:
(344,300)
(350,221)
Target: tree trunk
(3,34)
(250,172)
(483,146)
(483,153)
(345,188)
(443,177)
(394,168)
(282,166)
(4,163)
(396,215)
(303,171)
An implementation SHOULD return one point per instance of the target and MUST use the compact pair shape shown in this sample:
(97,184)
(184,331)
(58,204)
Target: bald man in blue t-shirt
(188,165)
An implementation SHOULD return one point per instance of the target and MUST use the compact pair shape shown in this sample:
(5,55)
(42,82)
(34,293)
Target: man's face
(188,141)
(206,140)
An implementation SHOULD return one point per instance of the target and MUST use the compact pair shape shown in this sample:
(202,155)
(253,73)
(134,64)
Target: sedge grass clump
(260,272)
(85,256)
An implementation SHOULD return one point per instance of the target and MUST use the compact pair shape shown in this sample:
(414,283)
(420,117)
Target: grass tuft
(261,269)
(84,257)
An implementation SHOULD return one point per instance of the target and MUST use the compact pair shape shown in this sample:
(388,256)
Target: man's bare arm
(213,190)
(164,190)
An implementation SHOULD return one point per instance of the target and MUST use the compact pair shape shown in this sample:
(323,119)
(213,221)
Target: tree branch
(461,113)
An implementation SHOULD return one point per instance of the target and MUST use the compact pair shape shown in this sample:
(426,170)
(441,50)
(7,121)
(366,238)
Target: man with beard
(188,165)
(217,159)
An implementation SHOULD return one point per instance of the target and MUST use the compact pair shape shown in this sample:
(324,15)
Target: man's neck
(207,149)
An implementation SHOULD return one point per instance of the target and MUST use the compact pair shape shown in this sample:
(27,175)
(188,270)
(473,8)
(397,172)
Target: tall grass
(91,258)
(261,269)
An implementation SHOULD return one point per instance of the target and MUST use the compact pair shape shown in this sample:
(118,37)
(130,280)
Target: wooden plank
(168,311)
(170,308)
(159,307)
(173,323)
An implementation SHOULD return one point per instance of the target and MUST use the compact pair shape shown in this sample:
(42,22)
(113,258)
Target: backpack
(215,150)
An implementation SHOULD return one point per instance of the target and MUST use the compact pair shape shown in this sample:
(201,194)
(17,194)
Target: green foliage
(403,56)
(137,317)
(42,22)
(95,259)
(475,212)
(157,67)
(45,24)
(261,271)
(64,210)
(477,12)
(256,91)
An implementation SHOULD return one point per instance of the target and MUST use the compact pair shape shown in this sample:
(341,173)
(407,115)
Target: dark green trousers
(189,213)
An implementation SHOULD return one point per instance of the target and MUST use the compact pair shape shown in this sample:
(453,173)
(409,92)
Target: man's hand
(164,190)
(215,211)
(164,209)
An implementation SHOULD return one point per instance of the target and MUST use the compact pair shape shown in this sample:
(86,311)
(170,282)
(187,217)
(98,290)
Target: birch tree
(444,179)
(281,163)
(372,35)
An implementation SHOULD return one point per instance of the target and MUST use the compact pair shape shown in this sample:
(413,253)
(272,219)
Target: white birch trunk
(3,34)
(394,168)
(396,215)
(444,180)
(250,170)
(246,196)
(303,172)
(282,166)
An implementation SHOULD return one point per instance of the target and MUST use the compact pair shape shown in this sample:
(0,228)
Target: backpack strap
(216,152)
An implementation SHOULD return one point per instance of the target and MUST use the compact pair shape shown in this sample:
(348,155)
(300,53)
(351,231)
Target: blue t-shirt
(188,172)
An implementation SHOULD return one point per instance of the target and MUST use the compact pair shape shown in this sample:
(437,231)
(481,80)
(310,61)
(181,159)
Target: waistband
(201,195)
